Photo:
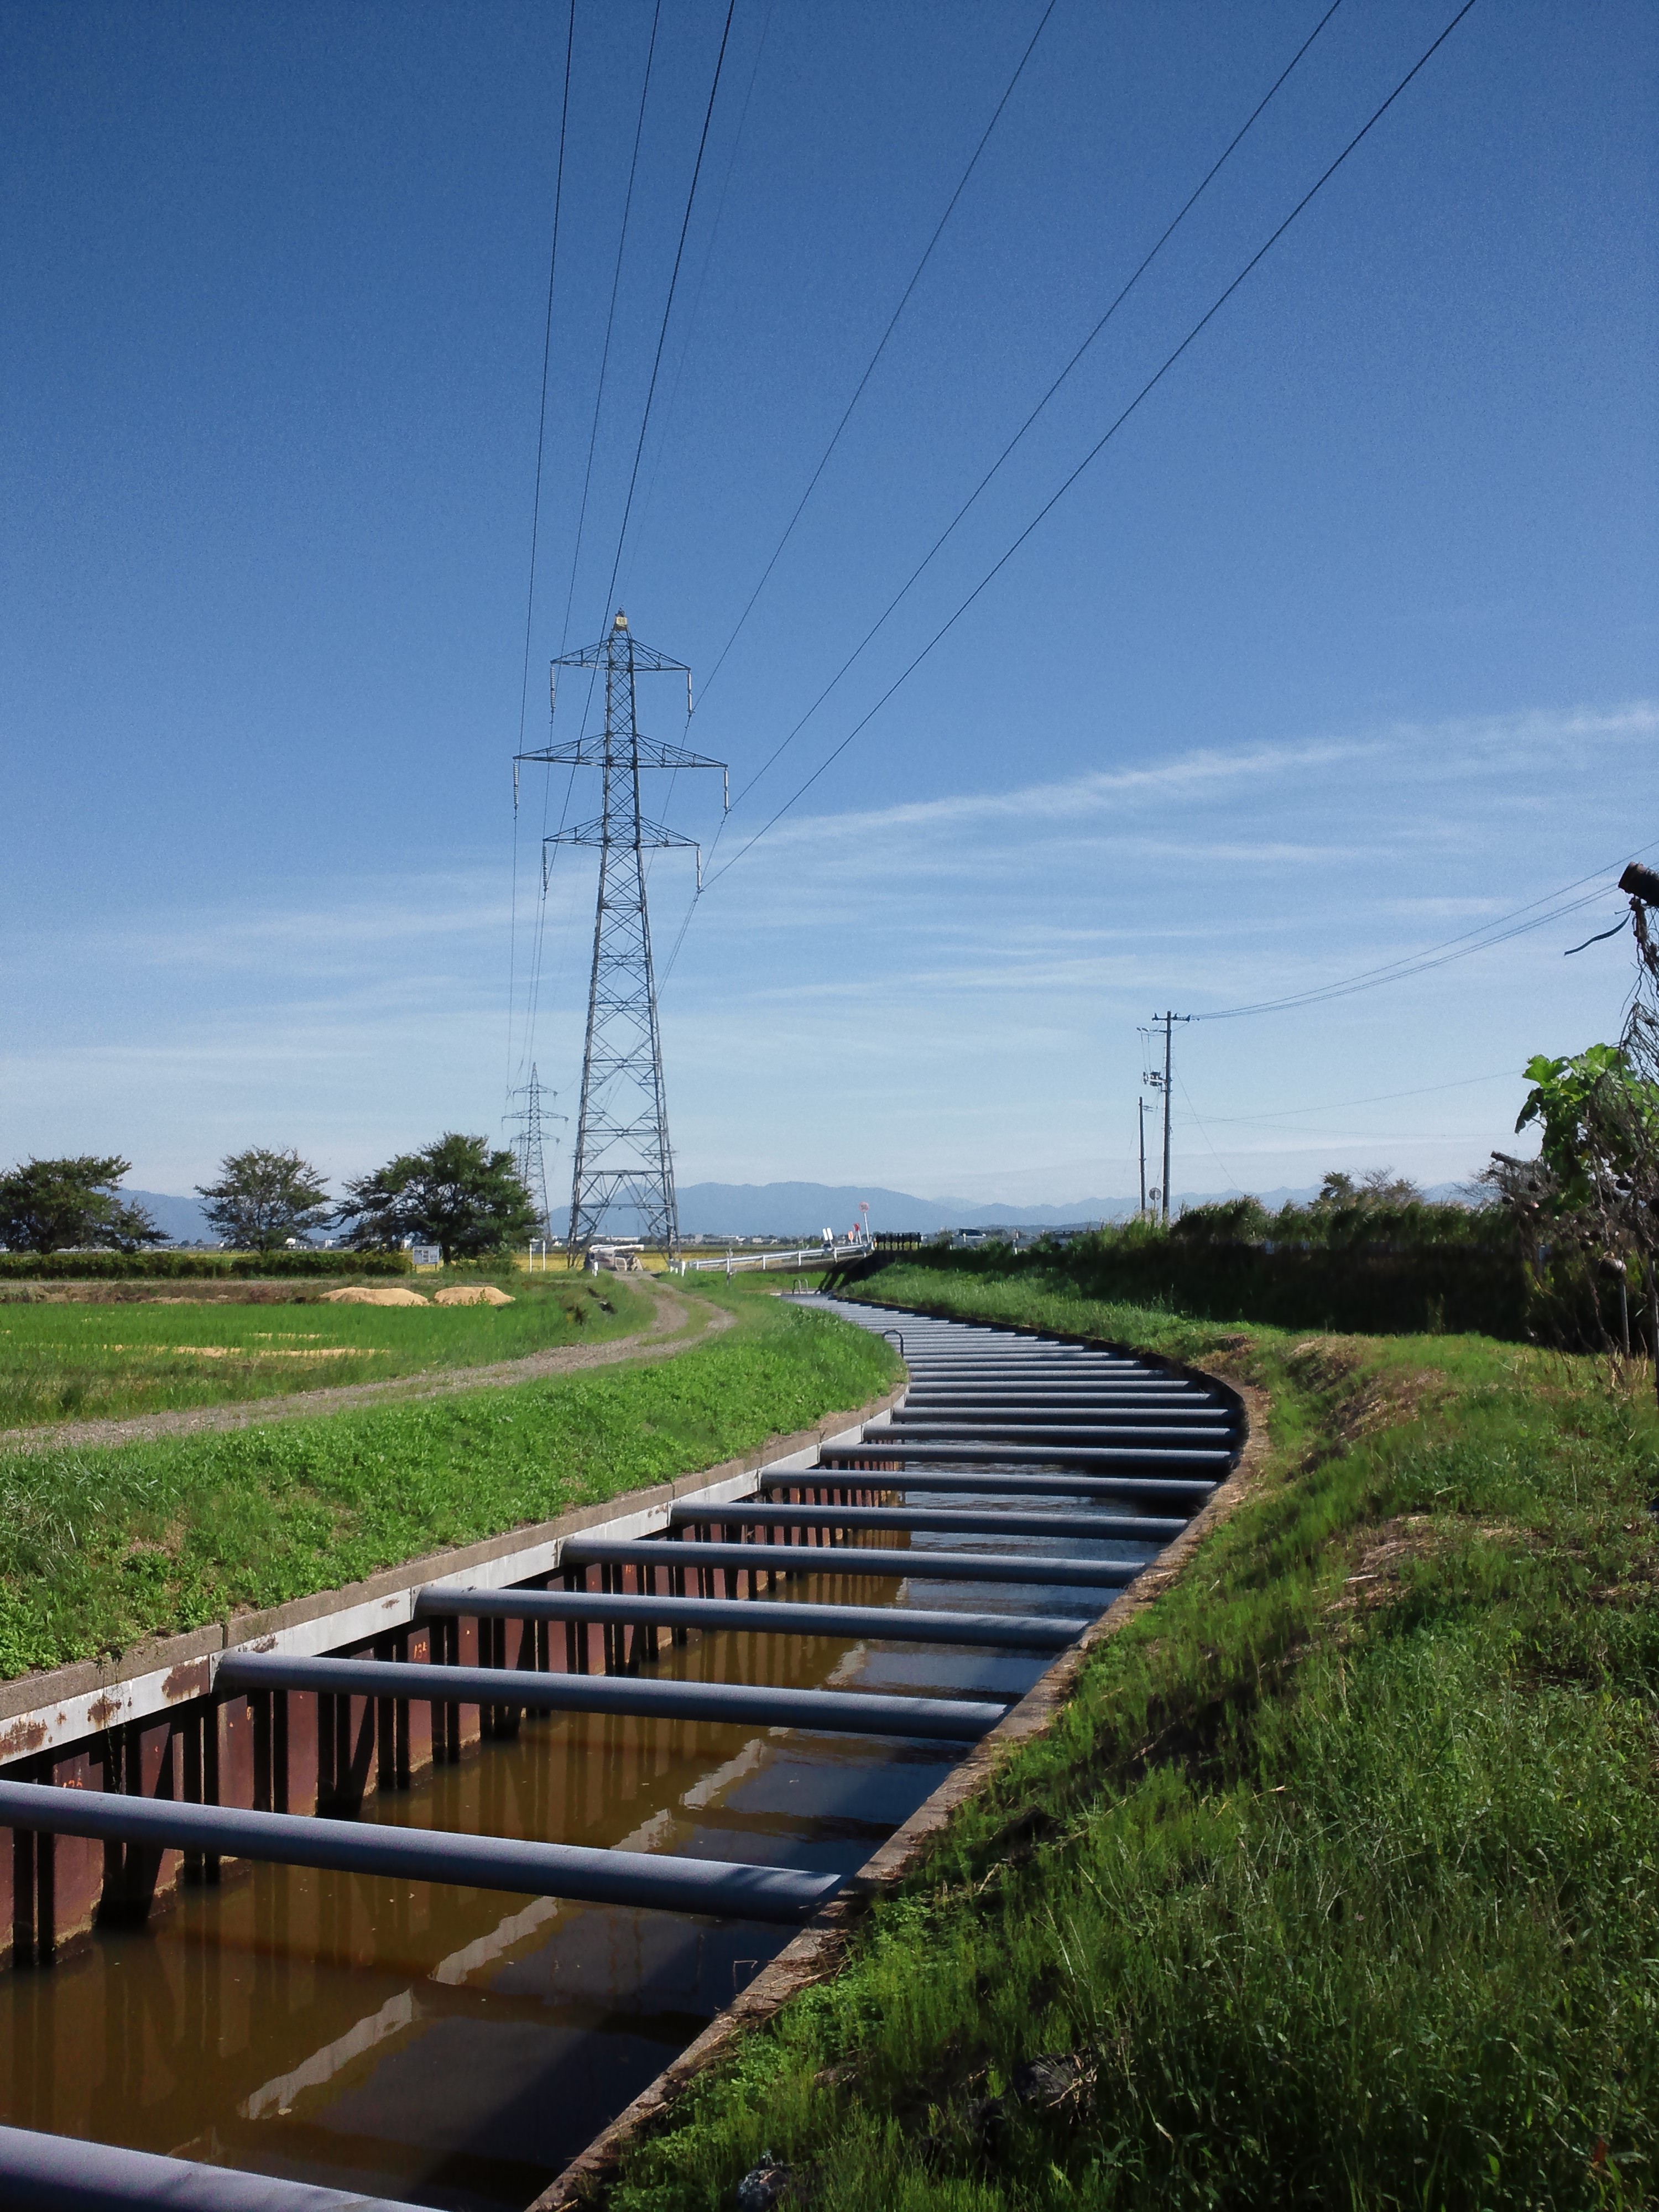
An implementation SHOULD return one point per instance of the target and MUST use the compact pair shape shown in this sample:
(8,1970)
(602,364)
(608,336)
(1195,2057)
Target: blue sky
(1346,644)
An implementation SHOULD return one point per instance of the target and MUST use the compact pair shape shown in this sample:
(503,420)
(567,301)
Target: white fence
(807,1255)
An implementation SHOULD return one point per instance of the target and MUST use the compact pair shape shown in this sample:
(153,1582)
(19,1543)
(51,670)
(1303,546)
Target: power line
(1232,1180)
(547,354)
(1376,1098)
(668,304)
(1556,906)
(703,277)
(1100,444)
(984,483)
(1146,263)
(610,324)
(881,347)
(536,519)
(538,952)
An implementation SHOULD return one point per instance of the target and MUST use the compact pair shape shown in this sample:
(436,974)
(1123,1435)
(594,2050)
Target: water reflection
(450,2046)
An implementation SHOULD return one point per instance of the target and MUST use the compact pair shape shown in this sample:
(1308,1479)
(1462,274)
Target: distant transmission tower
(623,1166)
(527,1145)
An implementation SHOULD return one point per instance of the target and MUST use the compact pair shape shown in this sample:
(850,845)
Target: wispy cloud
(1457,745)
(1094,793)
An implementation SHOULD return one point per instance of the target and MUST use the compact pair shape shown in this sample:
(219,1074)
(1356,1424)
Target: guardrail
(804,1255)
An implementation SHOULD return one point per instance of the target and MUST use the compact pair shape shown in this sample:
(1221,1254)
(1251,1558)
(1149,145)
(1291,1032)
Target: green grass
(128,1351)
(99,1547)
(1339,1892)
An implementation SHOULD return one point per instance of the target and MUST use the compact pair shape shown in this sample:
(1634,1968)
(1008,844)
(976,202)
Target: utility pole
(1163,1078)
(623,1164)
(1141,1118)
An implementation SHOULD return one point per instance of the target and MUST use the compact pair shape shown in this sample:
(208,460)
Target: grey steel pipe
(1084,1390)
(924,1428)
(1031,1378)
(1060,1405)
(1184,1478)
(60,2173)
(1031,1355)
(1139,1528)
(941,1521)
(899,1624)
(850,1712)
(850,1560)
(577,1871)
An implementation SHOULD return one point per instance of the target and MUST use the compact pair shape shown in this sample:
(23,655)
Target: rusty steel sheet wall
(151,1725)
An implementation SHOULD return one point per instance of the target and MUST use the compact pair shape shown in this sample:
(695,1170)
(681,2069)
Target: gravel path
(672,1329)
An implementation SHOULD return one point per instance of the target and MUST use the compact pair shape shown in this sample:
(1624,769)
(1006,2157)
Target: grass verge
(1336,1883)
(125,1348)
(100,1547)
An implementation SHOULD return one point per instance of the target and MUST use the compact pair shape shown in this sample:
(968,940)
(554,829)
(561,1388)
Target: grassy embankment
(100,1547)
(116,1349)
(1338,1881)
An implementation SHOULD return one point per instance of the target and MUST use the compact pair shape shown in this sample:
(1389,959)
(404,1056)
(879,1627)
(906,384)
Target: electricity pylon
(623,1165)
(527,1145)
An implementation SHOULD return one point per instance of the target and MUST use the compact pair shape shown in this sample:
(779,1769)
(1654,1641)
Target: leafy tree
(53,1205)
(1379,1187)
(1595,1181)
(263,1197)
(456,1194)
(1600,1127)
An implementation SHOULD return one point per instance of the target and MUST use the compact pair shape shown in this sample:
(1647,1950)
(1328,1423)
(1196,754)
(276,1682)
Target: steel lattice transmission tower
(623,1165)
(527,1151)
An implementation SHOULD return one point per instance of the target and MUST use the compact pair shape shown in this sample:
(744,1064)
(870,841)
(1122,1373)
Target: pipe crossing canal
(409,1917)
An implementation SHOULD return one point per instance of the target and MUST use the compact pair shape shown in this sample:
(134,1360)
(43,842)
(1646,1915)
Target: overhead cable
(610,324)
(1099,445)
(539,948)
(536,521)
(984,483)
(1537,913)
(881,346)
(1146,263)
(691,319)
(668,304)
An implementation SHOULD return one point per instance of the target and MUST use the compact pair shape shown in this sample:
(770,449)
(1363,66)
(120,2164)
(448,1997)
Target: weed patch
(1336,1882)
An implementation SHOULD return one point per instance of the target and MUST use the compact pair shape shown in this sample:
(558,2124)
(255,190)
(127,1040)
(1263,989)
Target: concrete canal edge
(55,1714)
(818,1950)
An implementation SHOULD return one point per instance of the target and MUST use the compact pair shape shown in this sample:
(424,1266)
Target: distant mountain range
(181,1220)
(804,1209)
(795,1209)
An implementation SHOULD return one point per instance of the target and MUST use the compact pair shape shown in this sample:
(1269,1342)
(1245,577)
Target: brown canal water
(453,2047)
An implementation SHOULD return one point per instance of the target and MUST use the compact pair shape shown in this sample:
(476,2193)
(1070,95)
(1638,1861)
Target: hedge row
(1442,1288)
(119,1267)
(1558,1298)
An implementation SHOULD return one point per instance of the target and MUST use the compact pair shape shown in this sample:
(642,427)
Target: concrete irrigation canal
(405,1900)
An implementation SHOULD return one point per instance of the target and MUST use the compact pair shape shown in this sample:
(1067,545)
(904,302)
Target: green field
(132,1351)
(100,1546)
(1337,1882)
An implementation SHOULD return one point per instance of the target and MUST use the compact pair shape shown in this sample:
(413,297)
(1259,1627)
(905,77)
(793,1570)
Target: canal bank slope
(1335,1880)
(103,1548)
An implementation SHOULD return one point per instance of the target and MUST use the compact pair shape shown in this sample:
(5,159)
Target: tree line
(457,1193)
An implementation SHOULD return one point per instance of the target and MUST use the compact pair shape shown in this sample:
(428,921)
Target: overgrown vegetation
(1352,1263)
(98,1548)
(92,1359)
(1337,1882)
